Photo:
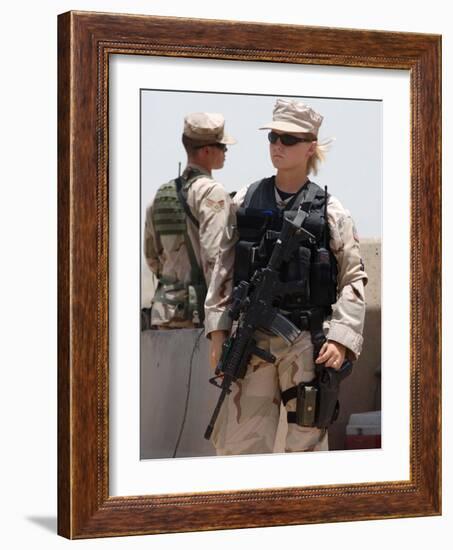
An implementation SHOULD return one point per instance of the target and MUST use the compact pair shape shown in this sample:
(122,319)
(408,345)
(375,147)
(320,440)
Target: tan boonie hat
(207,128)
(294,116)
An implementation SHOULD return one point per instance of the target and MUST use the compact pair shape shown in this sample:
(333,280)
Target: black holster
(317,403)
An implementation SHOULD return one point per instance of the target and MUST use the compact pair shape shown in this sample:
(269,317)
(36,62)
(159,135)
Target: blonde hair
(318,156)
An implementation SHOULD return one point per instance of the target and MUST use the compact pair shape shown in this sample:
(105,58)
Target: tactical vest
(259,222)
(170,213)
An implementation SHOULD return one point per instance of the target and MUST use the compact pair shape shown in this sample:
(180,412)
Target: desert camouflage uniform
(250,414)
(167,256)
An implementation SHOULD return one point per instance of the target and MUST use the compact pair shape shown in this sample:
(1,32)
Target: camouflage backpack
(170,213)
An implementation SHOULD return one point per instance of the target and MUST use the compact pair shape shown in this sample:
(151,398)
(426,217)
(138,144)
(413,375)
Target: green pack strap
(182,187)
(197,291)
(161,215)
(172,229)
(196,273)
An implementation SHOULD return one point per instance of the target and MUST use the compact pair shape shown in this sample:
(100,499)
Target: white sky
(352,170)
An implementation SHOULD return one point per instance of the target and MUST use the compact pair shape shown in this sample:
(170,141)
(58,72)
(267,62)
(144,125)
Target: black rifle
(253,307)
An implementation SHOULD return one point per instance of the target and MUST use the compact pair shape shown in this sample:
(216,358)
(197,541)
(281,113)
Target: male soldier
(184,223)
(331,304)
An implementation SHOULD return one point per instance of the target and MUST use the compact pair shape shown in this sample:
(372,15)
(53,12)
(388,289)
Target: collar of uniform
(281,203)
(191,168)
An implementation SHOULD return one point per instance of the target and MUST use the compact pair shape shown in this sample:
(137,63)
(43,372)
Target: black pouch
(246,261)
(297,270)
(317,405)
(328,406)
(328,382)
(323,279)
(317,402)
(306,404)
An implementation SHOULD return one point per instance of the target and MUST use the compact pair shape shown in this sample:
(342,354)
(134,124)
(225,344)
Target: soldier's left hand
(332,354)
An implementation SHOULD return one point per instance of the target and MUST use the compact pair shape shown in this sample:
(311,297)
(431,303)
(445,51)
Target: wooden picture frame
(85,41)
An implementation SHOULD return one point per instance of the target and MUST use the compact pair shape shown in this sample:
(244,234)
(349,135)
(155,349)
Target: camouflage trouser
(248,420)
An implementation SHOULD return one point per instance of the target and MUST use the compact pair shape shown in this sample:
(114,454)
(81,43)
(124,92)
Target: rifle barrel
(215,414)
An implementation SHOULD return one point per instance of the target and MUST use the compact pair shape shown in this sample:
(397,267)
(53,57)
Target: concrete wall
(177,401)
(362,390)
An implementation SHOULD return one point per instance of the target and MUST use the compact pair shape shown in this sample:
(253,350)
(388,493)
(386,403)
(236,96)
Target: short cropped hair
(190,145)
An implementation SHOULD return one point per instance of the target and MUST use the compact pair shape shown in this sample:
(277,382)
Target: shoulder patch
(217,206)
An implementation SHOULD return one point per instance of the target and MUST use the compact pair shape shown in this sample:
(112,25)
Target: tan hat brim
(227,140)
(284,127)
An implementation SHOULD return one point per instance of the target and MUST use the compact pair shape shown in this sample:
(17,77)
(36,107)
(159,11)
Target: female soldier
(249,417)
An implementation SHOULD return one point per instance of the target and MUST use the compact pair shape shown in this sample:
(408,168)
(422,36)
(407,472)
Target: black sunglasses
(286,139)
(221,146)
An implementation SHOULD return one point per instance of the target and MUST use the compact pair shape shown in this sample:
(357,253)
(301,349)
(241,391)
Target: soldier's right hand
(218,337)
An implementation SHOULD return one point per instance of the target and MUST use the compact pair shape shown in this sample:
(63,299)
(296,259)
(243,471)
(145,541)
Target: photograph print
(261,225)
